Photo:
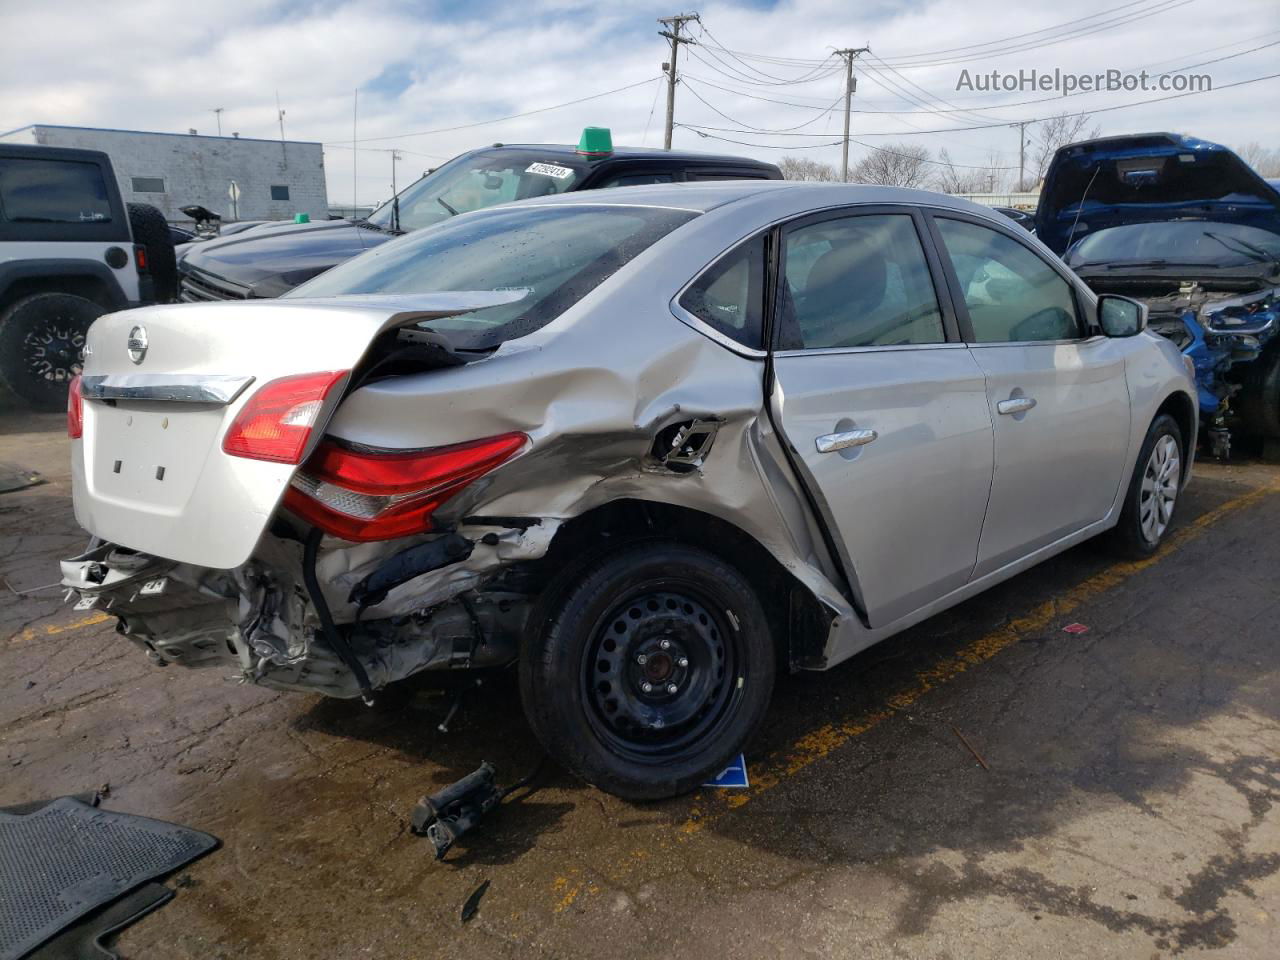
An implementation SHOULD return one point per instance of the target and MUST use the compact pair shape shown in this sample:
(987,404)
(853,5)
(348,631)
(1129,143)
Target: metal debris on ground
(1075,628)
(473,902)
(965,740)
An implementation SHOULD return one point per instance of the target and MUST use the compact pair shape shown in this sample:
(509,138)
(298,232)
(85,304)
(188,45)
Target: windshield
(1178,242)
(555,254)
(477,180)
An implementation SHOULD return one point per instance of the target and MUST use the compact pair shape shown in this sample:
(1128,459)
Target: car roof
(633,153)
(804,195)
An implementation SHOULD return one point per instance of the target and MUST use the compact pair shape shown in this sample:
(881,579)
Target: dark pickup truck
(271,260)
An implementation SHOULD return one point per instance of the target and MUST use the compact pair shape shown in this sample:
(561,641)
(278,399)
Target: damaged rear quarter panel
(591,390)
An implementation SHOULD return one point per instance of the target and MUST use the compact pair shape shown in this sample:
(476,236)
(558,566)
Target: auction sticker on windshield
(550,170)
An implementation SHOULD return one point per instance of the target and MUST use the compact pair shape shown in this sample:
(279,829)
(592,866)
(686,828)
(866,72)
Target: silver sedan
(651,445)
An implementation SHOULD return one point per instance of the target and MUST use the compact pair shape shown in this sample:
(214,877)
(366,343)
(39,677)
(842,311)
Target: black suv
(271,260)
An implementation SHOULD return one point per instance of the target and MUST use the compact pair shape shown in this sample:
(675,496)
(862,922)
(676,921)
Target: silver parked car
(651,446)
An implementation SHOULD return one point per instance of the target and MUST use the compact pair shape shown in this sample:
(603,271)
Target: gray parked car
(651,446)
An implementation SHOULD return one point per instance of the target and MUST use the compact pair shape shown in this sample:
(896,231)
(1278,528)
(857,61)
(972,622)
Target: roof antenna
(1080,207)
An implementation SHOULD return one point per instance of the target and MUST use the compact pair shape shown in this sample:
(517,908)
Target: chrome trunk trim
(183,388)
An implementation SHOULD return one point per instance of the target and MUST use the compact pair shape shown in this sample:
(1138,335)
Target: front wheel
(1153,491)
(652,671)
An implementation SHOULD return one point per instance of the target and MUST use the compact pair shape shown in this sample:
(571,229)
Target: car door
(1056,389)
(884,408)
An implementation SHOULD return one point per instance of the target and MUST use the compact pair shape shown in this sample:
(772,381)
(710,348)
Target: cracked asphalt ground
(1128,806)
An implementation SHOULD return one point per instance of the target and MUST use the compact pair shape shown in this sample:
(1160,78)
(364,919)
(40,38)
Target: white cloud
(155,65)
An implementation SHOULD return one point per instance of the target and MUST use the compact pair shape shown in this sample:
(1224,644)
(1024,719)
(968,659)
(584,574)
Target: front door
(1057,393)
(885,411)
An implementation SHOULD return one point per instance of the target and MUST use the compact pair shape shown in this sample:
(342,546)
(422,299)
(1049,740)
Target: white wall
(199,169)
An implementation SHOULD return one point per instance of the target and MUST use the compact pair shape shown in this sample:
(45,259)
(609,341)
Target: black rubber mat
(90,937)
(67,858)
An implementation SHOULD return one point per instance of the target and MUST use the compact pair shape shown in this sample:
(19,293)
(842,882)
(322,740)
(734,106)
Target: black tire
(42,346)
(580,679)
(1131,537)
(151,230)
(1258,404)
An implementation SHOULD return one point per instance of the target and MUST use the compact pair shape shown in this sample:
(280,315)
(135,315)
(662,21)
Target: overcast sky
(420,66)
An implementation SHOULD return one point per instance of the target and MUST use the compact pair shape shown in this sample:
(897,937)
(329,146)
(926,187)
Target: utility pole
(1022,150)
(850,85)
(672,33)
(217,112)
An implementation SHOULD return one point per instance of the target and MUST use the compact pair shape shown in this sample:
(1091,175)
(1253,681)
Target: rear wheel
(652,672)
(42,341)
(1153,491)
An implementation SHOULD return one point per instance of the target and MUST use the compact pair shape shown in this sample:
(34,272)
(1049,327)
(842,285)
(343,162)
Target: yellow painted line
(53,629)
(817,744)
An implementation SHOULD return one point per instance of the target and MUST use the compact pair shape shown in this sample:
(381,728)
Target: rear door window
(636,179)
(860,281)
(53,191)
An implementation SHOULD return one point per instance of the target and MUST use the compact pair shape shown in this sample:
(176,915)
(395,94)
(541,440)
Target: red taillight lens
(140,258)
(365,495)
(275,424)
(75,409)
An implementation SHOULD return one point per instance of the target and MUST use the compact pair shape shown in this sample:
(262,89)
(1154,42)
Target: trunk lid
(1148,177)
(162,385)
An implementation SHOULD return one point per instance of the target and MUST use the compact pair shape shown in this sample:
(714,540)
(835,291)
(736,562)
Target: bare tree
(990,177)
(802,168)
(1048,135)
(1265,160)
(894,165)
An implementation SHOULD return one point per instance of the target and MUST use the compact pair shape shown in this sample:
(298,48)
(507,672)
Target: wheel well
(89,287)
(798,622)
(1179,406)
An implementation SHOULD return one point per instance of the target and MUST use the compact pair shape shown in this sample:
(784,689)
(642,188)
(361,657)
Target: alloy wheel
(1159,488)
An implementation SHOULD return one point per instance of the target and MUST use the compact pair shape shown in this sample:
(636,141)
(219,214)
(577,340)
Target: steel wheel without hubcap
(1159,488)
(660,674)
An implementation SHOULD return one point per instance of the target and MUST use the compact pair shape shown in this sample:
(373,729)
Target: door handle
(831,442)
(1015,405)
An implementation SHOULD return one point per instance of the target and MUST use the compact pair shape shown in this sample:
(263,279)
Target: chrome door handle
(1015,405)
(831,442)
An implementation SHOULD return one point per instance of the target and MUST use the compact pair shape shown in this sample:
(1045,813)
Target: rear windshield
(53,191)
(555,255)
(478,180)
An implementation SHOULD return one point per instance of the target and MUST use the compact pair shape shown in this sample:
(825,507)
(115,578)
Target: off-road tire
(1258,403)
(42,346)
(1128,538)
(151,230)
(721,633)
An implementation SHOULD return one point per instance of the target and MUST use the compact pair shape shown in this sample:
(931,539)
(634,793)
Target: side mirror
(1121,316)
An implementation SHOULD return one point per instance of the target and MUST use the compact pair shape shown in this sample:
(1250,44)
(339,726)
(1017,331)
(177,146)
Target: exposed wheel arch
(798,621)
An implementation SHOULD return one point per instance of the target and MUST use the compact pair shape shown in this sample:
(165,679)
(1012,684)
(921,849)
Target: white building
(276,179)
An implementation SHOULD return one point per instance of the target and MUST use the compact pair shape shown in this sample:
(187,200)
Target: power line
(513,116)
(822,111)
(1002,106)
(988,126)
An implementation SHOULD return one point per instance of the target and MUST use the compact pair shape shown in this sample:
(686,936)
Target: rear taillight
(276,422)
(365,495)
(75,409)
(140,258)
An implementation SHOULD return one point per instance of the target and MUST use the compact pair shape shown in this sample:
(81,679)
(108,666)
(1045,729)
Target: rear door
(1056,389)
(883,406)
